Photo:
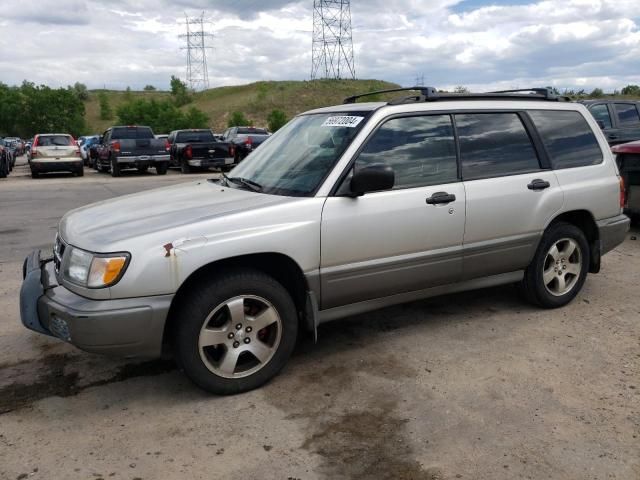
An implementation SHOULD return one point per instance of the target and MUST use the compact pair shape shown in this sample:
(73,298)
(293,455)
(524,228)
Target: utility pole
(332,45)
(196,40)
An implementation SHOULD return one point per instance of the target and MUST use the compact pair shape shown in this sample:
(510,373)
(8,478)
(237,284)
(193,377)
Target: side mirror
(373,178)
(601,124)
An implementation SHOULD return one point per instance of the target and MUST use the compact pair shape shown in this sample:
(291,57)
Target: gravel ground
(476,386)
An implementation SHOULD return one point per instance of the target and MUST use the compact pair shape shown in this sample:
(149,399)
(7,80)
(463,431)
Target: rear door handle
(538,184)
(441,198)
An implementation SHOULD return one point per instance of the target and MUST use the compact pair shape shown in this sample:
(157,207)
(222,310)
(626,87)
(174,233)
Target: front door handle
(441,198)
(538,185)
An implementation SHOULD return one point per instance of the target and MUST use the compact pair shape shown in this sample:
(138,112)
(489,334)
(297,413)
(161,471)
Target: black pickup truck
(245,140)
(132,147)
(199,148)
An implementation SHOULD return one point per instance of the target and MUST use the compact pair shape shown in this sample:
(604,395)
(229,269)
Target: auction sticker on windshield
(343,121)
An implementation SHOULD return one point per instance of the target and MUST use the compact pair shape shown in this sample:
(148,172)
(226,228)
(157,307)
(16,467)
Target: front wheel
(235,332)
(559,268)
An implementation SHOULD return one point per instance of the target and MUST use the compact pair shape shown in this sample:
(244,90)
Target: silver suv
(344,210)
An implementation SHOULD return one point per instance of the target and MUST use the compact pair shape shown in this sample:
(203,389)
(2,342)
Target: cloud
(476,43)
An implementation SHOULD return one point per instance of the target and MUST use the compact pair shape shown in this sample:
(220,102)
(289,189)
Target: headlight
(93,270)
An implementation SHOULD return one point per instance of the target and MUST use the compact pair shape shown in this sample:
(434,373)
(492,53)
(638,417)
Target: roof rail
(425,92)
(431,94)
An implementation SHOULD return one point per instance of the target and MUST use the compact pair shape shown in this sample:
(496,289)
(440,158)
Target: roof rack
(431,94)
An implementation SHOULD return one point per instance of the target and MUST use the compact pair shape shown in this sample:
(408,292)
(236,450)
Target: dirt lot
(472,386)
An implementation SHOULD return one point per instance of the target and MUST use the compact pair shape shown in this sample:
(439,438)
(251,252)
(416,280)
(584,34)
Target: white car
(55,152)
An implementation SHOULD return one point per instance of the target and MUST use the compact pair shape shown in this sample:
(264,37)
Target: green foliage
(596,93)
(237,119)
(162,116)
(80,89)
(31,109)
(106,113)
(127,94)
(631,90)
(276,120)
(149,88)
(179,91)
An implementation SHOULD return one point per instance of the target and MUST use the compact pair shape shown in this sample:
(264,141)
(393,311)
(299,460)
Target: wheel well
(584,220)
(281,267)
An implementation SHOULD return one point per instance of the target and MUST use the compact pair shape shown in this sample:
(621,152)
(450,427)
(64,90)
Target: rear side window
(131,133)
(601,113)
(493,145)
(627,113)
(420,150)
(568,138)
(54,141)
(255,131)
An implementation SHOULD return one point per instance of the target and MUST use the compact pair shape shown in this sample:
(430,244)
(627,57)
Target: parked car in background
(198,148)
(628,158)
(245,140)
(132,147)
(11,152)
(5,162)
(162,136)
(426,195)
(85,146)
(618,119)
(55,152)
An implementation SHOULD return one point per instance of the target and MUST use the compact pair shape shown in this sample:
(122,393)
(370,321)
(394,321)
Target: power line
(332,46)
(196,39)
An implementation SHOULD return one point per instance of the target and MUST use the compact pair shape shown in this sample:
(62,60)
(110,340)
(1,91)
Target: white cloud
(570,43)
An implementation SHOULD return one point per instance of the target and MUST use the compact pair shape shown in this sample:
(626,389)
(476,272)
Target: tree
(179,91)
(461,89)
(596,93)
(149,88)
(276,120)
(161,115)
(237,119)
(105,108)
(631,90)
(80,89)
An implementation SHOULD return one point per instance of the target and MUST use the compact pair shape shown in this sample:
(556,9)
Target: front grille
(58,252)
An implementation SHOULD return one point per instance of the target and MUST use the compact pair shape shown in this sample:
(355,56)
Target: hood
(99,226)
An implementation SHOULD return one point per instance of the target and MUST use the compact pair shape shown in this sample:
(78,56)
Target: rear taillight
(188,152)
(232,151)
(167,145)
(116,146)
(34,152)
(77,152)
(248,141)
(623,199)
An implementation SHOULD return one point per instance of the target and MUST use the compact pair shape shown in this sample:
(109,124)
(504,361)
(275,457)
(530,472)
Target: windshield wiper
(245,182)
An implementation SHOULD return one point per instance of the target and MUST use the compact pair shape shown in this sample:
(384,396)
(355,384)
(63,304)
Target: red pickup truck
(628,158)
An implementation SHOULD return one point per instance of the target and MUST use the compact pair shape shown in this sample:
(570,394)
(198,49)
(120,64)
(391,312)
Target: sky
(480,44)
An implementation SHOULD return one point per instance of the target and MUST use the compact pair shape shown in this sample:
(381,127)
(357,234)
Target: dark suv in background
(245,140)
(618,119)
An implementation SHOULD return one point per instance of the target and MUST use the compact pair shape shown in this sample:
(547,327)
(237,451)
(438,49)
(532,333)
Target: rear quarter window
(132,133)
(567,137)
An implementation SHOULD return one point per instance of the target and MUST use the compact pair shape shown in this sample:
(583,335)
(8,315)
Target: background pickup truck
(245,140)
(199,149)
(132,147)
(628,159)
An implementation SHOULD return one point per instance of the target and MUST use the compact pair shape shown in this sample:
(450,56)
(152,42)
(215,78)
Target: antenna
(332,46)
(196,38)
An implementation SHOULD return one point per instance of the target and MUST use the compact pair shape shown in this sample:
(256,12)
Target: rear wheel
(4,168)
(559,268)
(236,332)
(185,167)
(80,172)
(115,168)
(161,168)
(34,174)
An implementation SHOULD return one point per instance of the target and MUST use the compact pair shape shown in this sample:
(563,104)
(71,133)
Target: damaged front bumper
(132,327)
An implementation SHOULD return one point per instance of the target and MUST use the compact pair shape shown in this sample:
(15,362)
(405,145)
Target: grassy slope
(255,100)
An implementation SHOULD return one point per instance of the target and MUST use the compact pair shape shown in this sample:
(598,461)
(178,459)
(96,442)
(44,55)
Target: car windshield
(297,158)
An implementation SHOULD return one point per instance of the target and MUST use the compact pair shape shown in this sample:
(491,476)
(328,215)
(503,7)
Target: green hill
(255,100)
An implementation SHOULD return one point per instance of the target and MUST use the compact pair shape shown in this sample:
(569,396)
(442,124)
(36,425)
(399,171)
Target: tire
(566,275)
(115,168)
(80,172)
(185,167)
(4,168)
(34,174)
(161,168)
(211,367)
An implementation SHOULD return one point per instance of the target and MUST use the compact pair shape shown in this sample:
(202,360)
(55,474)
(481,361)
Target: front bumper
(613,231)
(131,327)
(211,162)
(147,159)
